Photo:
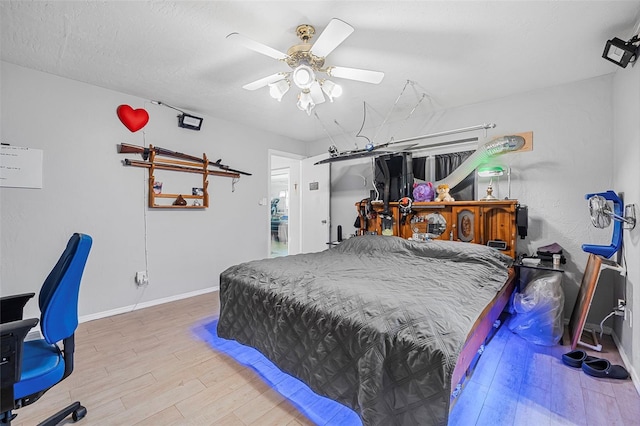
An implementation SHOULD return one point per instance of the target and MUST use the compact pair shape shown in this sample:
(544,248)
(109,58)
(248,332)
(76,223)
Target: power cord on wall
(602,322)
(145,187)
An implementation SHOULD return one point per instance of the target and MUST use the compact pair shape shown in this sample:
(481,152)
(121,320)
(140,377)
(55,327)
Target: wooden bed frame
(491,221)
(469,349)
(480,331)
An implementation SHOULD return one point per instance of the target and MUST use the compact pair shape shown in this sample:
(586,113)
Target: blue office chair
(31,368)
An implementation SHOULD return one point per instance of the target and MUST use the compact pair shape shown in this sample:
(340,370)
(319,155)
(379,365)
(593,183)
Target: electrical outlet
(620,310)
(141,278)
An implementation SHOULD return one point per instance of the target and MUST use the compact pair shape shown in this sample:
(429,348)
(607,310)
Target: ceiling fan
(307,63)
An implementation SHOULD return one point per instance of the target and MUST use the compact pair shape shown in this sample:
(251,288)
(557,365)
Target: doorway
(284,204)
(280,208)
(306,202)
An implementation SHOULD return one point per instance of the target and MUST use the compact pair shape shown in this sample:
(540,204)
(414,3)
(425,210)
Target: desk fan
(601,216)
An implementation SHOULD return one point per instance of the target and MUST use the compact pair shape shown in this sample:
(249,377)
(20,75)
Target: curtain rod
(439,144)
(359,153)
(445,133)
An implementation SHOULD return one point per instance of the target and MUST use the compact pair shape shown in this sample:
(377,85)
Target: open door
(315,204)
(285,189)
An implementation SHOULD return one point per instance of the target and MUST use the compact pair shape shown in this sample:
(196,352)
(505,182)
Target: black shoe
(576,358)
(601,367)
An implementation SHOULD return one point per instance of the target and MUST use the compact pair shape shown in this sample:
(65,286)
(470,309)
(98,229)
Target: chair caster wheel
(79,413)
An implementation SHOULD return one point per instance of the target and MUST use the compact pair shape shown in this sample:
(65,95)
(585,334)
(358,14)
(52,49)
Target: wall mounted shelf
(200,167)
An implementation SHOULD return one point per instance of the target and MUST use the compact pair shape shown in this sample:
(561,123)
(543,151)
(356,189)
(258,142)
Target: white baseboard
(36,334)
(143,305)
(625,358)
(627,362)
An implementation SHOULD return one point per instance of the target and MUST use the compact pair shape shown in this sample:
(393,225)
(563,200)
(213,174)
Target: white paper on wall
(20,167)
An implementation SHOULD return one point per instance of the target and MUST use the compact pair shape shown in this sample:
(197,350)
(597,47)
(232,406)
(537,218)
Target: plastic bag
(538,314)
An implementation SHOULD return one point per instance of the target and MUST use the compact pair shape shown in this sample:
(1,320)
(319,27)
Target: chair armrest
(12,307)
(12,336)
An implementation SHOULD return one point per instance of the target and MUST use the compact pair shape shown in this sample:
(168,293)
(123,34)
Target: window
(433,168)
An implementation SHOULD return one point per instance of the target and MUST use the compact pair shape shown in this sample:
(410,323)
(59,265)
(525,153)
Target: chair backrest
(58,297)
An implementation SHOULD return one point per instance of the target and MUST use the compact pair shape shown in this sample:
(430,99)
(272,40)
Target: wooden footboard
(481,329)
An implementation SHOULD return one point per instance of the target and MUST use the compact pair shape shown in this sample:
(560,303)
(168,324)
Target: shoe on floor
(601,367)
(576,358)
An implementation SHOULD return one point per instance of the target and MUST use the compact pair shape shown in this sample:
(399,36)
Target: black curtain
(399,175)
(445,164)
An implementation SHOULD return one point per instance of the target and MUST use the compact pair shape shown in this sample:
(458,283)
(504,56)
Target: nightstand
(525,273)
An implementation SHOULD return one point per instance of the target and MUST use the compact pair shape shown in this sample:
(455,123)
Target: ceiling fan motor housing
(305,32)
(300,54)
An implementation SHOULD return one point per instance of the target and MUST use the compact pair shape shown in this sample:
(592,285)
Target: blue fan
(601,216)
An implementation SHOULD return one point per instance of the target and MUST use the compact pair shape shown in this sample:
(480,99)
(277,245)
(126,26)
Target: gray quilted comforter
(376,323)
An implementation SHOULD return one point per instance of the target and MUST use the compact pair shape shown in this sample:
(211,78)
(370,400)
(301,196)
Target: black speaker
(522,220)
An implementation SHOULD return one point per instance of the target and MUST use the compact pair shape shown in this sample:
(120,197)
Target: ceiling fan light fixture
(278,89)
(306,61)
(305,102)
(331,89)
(303,76)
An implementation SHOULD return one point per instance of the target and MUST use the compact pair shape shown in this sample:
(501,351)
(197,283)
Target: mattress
(376,323)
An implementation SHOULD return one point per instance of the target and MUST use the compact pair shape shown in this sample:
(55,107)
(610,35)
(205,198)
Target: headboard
(478,222)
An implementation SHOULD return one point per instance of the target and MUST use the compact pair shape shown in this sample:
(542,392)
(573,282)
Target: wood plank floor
(148,367)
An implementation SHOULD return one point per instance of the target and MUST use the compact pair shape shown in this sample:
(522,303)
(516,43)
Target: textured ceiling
(457,53)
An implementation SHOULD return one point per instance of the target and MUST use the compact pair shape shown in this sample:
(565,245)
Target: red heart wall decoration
(133,119)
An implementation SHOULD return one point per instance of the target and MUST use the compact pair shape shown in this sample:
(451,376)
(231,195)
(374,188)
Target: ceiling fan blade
(366,76)
(264,81)
(335,33)
(316,93)
(256,46)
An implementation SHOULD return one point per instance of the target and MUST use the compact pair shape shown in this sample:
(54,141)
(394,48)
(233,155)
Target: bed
(383,325)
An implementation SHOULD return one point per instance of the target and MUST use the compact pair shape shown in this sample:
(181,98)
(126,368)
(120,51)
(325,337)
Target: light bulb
(278,89)
(303,76)
(331,89)
(305,102)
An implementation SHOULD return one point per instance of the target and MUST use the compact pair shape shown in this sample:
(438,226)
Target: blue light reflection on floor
(320,410)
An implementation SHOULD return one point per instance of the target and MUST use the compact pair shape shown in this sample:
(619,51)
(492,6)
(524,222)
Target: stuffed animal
(443,193)
(423,192)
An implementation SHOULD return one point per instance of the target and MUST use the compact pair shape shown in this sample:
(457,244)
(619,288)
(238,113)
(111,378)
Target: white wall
(87,189)
(572,155)
(626,178)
